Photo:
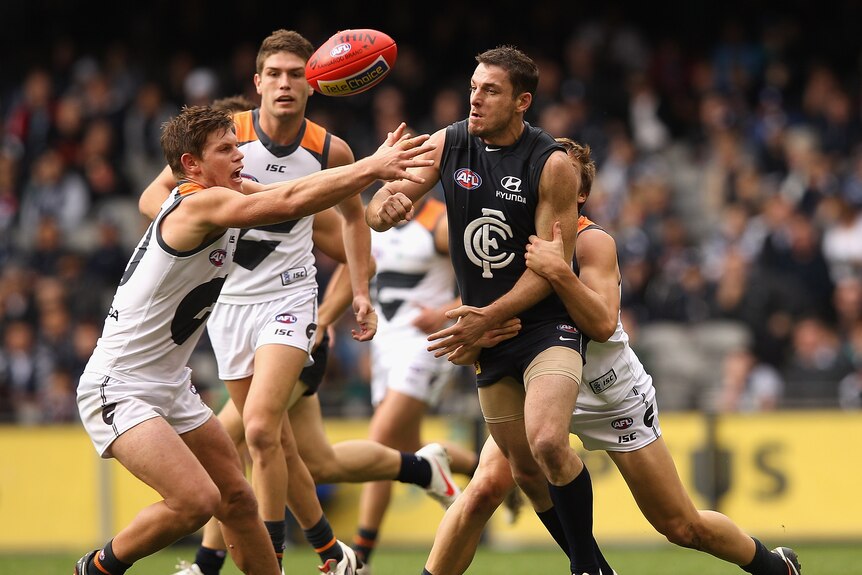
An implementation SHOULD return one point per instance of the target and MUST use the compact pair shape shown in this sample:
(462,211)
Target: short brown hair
(234,104)
(523,72)
(586,165)
(283,41)
(188,133)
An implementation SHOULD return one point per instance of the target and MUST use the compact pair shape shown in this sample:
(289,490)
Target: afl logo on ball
(217,257)
(467,179)
(340,50)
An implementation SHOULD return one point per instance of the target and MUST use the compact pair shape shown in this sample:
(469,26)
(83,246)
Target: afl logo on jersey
(285,318)
(218,257)
(480,241)
(567,328)
(623,423)
(468,179)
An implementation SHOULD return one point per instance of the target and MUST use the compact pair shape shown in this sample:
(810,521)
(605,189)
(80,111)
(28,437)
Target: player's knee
(237,503)
(261,437)
(324,472)
(532,482)
(685,533)
(196,507)
(548,451)
(484,499)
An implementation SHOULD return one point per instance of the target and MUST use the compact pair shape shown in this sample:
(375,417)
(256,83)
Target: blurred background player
(591,292)
(414,286)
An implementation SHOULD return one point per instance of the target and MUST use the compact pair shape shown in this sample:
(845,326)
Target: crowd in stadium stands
(730,177)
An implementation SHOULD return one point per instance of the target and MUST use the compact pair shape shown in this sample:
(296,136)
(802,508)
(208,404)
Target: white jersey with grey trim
(162,303)
(275,261)
(611,370)
(411,273)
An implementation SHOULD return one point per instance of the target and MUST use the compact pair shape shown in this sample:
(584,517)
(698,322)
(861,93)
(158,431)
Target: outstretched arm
(393,203)
(281,201)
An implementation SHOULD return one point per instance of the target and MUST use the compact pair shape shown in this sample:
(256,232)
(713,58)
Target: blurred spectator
(53,192)
(850,388)
(816,366)
(31,119)
(24,368)
(749,385)
(142,129)
(842,240)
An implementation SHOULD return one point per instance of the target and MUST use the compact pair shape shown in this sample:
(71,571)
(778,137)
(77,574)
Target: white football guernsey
(410,271)
(275,261)
(162,303)
(611,368)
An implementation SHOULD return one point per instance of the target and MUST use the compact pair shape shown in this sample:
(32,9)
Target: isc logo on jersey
(467,179)
(217,257)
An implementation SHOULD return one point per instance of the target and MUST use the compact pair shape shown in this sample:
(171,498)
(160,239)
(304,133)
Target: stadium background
(727,140)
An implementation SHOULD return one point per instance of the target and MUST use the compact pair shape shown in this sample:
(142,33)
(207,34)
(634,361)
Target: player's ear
(523,101)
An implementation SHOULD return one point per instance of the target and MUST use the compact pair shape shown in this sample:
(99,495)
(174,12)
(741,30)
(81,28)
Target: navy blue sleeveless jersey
(491,196)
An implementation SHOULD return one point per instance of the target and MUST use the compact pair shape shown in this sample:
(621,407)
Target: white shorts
(236,331)
(401,362)
(626,426)
(109,407)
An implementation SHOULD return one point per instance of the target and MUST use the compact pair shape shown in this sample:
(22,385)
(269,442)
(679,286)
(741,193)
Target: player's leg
(212,552)
(153,452)
(655,484)
(262,400)
(396,423)
(305,507)
(352,461)
(237,512)
(552,380)
(460,530)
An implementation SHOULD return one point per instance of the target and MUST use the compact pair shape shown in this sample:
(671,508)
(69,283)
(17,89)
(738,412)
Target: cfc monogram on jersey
(491,198)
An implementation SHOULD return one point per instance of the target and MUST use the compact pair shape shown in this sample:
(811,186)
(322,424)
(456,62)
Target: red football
(350,62)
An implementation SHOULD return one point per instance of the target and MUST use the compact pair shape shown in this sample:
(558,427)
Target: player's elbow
(603,331)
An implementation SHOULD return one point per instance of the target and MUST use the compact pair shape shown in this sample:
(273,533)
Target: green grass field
(837,559)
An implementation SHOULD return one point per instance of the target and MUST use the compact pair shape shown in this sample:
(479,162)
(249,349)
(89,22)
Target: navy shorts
(511,357)
(312,376)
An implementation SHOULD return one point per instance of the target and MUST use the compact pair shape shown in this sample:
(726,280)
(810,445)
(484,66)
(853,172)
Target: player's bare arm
(557,188)
(155,194)
(592,297)
(393,203)
(357,240)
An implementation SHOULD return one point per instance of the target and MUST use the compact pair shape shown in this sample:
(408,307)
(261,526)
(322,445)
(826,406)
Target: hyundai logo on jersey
(285,318)
(511,183)
(468,179)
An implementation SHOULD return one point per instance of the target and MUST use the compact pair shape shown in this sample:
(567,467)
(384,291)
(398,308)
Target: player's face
(493,105)
(282,85)
(221,164)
